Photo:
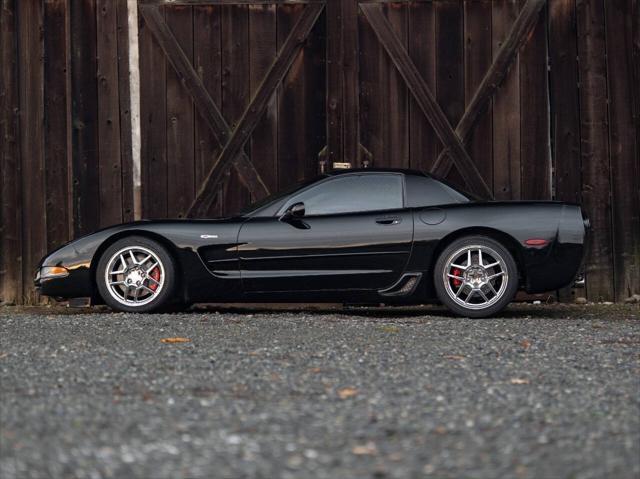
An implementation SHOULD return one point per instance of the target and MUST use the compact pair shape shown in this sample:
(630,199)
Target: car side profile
(358,236)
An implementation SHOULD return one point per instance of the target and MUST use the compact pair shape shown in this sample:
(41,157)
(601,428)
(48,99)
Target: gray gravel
(542,392)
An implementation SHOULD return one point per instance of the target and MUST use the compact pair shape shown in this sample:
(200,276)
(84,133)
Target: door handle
(389,220)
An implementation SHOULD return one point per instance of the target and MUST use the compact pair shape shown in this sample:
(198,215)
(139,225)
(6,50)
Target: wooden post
(10,165)
(596,172)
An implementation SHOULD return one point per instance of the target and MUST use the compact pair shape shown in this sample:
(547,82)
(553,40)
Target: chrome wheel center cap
(135,277)
(475,276)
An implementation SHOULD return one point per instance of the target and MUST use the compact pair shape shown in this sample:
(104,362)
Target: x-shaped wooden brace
(231,142)
(454,150)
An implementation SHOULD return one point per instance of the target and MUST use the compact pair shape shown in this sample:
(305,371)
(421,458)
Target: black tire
(474,281)
(163,299)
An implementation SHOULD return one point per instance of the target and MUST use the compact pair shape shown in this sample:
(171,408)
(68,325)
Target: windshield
(275,197)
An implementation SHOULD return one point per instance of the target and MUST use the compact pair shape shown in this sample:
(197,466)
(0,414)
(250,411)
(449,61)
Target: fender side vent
(405,286)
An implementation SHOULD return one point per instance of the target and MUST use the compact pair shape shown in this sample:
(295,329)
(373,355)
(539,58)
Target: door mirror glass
(296,210)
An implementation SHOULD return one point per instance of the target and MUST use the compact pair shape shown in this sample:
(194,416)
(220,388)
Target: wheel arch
(505,239)
(168,244)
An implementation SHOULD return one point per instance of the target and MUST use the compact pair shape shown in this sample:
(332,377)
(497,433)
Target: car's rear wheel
(136,274)
(475,276)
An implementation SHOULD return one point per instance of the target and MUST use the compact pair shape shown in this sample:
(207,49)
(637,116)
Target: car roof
(404,171)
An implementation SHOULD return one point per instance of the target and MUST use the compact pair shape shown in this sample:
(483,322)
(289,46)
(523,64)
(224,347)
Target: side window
(352,193)
(425,191)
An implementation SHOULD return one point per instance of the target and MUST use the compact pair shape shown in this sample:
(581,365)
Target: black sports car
(356,236)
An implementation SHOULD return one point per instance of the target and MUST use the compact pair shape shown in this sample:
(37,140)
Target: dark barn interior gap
(513,99)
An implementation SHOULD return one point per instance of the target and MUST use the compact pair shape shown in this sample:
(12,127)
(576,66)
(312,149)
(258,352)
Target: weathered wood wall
(65,159)
(563,123)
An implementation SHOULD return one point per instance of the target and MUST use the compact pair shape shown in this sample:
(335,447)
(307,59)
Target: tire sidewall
(510,264)
(166,295)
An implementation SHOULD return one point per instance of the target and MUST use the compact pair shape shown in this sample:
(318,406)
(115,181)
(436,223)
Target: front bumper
(76,283)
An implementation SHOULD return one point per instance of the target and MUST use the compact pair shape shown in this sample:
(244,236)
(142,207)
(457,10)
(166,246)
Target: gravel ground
(541,392)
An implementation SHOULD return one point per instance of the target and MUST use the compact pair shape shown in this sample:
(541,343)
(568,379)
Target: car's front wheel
(476,276)
(136,274)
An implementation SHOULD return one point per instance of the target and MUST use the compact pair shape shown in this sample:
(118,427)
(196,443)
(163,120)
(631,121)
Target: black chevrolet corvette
(357,236)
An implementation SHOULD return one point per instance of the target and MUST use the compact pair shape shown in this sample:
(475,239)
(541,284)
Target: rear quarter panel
(512,223)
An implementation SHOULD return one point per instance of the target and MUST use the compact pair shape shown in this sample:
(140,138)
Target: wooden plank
(290,104)
(251,116)
(565,107)
(425,98)
(625,167)
(350,90)
(313,138)
(124,95)
(263,48)
(180,126)
(335,94)
(56,129)
(477,61)
(506,107)
(504,58)
(594,134)
(153,126)
(110,167)
(449,59)
(635,92)
(10,164)
(534,102)
(565,119)
(236,95)
(207,54)
(422,139)
(208,109)
(86,198)
(396,145)
(450,72)
(373,60)
(31,91)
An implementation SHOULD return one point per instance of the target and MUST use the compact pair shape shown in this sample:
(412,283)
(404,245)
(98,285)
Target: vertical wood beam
(596,186)
(535,156)
(506,108)
(109,164)
(625,166)
(565,107)
(86,180)
(31,90)
(57,122)
(10,165)
(350,77)
(334,93)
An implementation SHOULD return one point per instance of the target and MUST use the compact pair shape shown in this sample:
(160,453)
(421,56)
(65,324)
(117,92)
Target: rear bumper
(564,262)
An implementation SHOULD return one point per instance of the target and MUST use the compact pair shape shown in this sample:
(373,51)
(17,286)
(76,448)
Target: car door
(355,234)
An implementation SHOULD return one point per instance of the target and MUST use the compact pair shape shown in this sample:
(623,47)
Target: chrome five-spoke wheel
(134,275)
(475,276)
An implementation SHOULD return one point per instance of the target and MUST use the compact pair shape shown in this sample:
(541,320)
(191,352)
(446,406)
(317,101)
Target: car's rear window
(427,191)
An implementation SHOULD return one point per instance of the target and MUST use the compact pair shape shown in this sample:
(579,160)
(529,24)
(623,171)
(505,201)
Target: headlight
(50,272)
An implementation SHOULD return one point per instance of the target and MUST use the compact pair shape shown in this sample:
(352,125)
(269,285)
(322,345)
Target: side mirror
(294,211)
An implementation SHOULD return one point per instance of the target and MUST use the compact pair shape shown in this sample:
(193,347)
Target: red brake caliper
(155,274)
(456,272)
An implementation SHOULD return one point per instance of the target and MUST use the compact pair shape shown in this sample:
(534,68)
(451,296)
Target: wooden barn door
(457,88)
(232,104)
